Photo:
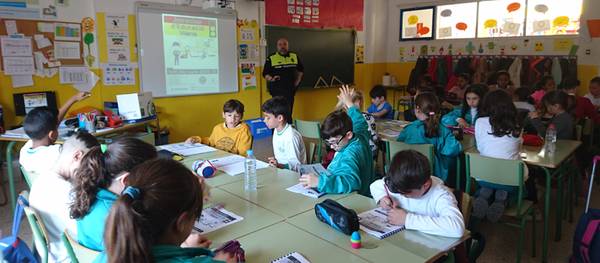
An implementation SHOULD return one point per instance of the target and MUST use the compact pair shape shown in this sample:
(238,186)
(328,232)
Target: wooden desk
(536,156)
(12,141)
(281,239)
(271,193)
(407,246)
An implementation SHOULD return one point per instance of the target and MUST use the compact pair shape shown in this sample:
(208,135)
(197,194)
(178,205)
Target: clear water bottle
(250,172)
(550,140)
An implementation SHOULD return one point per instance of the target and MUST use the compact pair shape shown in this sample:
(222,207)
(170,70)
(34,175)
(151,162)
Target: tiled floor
(501,239)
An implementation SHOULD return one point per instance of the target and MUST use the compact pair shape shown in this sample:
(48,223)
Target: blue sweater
(90,228)
(450,118)
(446,147)
(174,254)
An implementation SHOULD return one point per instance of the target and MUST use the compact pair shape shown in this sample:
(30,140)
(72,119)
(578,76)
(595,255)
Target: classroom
(299,130)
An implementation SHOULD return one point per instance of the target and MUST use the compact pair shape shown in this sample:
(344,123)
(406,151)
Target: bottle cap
(250,152)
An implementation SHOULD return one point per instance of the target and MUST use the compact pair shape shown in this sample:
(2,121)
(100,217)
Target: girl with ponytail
(154,215)
(98,181)
(427,129)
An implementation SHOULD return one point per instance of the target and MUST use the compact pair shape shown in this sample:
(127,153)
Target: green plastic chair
(393,147)
(311,130)
(29,176)
(510,173)
(40,235)
(77,252)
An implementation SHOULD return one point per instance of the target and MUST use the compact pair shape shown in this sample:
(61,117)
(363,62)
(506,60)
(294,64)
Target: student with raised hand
(357,99)
(428,129)
(352,167)
(152,220)
(466,115)
(100,179)
(416,199)
(288,146)
(39,154)
(50,194)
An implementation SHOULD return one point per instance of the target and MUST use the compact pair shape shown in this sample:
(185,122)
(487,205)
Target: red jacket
(585,109)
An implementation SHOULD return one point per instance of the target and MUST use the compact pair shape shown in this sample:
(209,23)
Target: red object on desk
(113,120)
(532,140)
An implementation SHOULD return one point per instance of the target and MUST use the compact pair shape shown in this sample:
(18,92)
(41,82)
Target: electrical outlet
(588,51)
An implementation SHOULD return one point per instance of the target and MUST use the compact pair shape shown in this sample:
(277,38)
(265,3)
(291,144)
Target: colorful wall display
(553,17)
(456,21)
(417,23)
(501,18)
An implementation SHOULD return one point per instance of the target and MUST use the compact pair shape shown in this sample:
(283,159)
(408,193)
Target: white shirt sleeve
(378,190)
(299,151)
(448,221)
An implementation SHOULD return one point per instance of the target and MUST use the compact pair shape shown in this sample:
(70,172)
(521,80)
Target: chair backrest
(76,251)
(311,130)
(393,147)
(493,170)
(464,202)
(40,235)
(310,151)
(29,176)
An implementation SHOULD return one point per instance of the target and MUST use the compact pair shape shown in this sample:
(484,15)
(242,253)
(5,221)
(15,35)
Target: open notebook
(375,223)
(310,192)
(215,217)
(294,257)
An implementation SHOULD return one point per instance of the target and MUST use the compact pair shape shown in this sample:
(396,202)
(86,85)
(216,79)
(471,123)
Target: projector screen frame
(162,8)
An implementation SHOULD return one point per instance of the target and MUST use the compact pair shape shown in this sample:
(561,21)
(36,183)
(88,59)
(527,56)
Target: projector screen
(186,50)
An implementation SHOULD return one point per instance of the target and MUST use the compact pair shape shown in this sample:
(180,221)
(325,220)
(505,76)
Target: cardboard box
(136,106)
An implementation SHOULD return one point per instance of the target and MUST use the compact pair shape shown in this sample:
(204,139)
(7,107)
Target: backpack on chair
(586,242)
(12,247)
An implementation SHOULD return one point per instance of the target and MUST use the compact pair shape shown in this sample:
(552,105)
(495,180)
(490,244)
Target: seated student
(555,103)
(39,154)
(233,135)
(152,220)
(457,93)
(357,99)
(416,199)
(594,92)
(409,114)
(498,135)
(502,81)
(98,182)
(522,98)
(380,108)
(352,167)
(583,108)
(288,146)
(545,85)
(466,115)
(428,130)
(50,194)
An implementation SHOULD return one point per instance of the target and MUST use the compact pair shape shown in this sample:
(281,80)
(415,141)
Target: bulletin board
(29,28)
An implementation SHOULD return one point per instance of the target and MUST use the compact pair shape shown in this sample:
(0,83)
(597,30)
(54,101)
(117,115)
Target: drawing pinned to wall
(553,17)
(360,54)
(49,12)
(67,31)
(424,50)
(432,49)
(514,47)
(501,18)
(539,46)
(401,53)
(248,75)
(563,45)
(417,23)
(87,26)
(450,49)
(117,38)
(491,45)
(470,48)
(456,21)
(480,50)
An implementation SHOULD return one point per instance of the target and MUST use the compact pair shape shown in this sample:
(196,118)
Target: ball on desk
(203,168)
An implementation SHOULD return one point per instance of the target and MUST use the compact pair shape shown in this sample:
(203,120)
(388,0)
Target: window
(417,23)
(456,21)
(501,18)
(553,17)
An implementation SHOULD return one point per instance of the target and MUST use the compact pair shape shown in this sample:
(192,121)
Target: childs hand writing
(386,203)
(397,216)
(225,256)
(309,180)
(196,240)
(193,139)
(346,94)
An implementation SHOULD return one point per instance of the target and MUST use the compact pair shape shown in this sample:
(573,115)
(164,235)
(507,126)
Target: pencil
(387,192)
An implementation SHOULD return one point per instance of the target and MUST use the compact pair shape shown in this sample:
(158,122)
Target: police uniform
(286,67)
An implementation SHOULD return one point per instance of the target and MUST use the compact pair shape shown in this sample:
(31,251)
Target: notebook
(234,164)
(310,192)
(215,217)
(313,168)
(375,223)
(187,149)
(293,257)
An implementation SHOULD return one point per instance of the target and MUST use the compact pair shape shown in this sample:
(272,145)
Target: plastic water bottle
(250,172)
(550,140)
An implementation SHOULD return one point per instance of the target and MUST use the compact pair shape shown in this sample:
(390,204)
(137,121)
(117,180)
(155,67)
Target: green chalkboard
(327,54)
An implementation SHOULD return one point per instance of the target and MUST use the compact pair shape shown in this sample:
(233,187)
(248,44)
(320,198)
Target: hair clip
(132,192)
(103,147)
(431,113)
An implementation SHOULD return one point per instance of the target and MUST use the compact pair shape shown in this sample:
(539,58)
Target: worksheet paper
(187,149)
(73,75)
(310,192)
(19,81)
(11,27)
(18,65)
(66,50)
(41,41)
(87,86)
(234,164)
(213,218)
(294,257)
(16,47)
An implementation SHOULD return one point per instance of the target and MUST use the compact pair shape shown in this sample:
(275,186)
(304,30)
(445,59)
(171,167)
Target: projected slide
(191,52)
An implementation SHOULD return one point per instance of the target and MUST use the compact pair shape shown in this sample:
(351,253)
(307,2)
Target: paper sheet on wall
(118,74)
(117,22)
(19,81)
(45,27)
(68,32)
(18,65)
(563,44)
(15,47)
(41,41)
(118,46)
(11,27)
(87,86)
(73,75)
(66,50)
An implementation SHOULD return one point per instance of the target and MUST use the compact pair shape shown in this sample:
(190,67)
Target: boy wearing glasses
(416,199)
(352,167)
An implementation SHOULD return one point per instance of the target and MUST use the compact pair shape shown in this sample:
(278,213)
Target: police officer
(283,72)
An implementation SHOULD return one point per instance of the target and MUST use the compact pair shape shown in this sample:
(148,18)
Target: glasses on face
(334,142)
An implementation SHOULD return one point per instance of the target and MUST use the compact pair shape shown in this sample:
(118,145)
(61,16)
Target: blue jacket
(90,228)
(450,118)
(446,147)
(352,167)
(174,254)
